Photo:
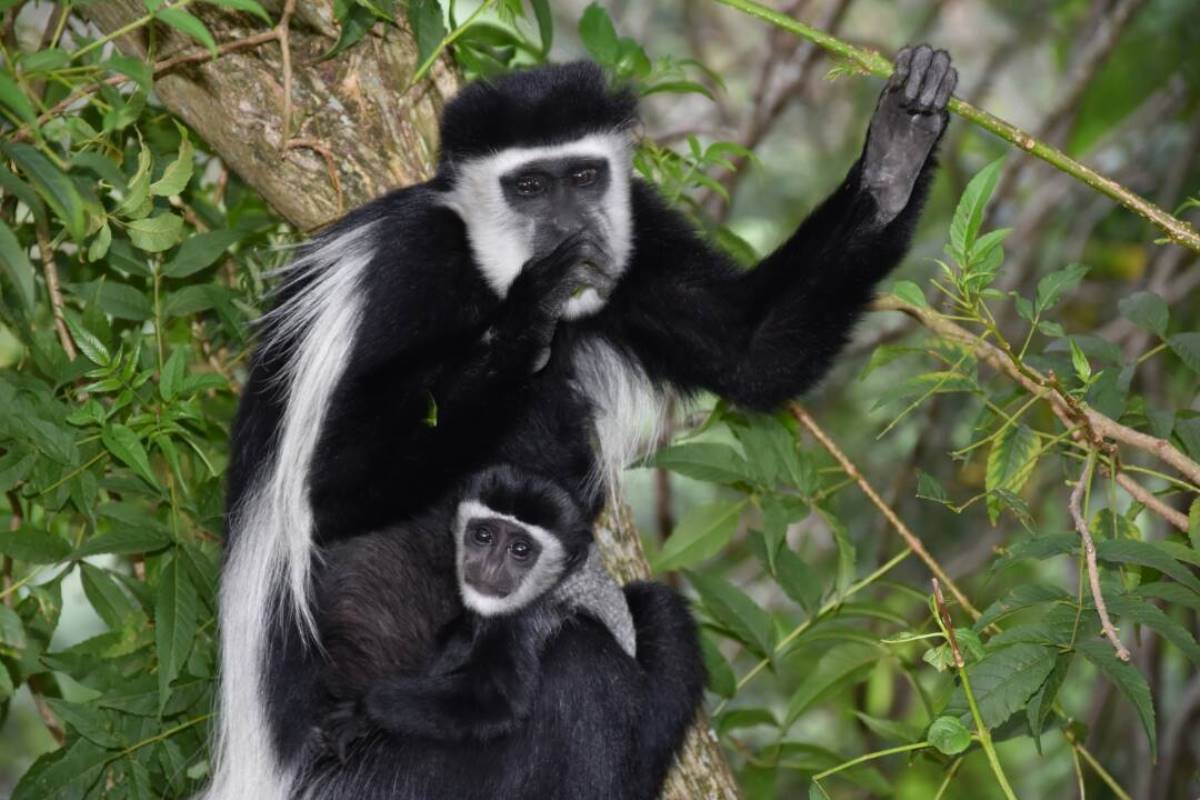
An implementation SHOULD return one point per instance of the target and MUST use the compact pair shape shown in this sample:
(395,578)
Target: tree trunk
(355,133)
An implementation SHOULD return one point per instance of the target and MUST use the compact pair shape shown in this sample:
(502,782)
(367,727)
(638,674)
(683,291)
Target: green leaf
(175,616)
(910,293)
(1013,455)
(428,27)
(33,546)
(177,174)
(12,630)
(88,343)
(7,689)
(136,202)
(545,23)
(1132,607)
(354,27)
(778,512)
(798,580)
(55,188)
(199,252)
(125,541)
(721,679)
(842,665)
(122,301)
(88,721)
(704,461)
(1083,367)
(68,772)
(106,596)
(1041,705)
(185,23)
(16,265)
(964,227)
(1146,554)
(173,373)
(599,36)
(890,730)
(15,100)
(1146,310)
(730,607)
(1005,679)
(742,718)
(249,6)
(1187,347)
(126,446)
(949,735)
(1126,678)
(99,246)
(1056,284)
(156,234)
(1025,595)
(701,534)
(930,488)
(192,299)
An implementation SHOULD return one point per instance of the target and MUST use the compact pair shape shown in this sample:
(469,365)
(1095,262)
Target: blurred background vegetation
(146,183)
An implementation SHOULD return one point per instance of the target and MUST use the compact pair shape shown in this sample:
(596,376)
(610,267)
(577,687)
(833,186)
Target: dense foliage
(1032,409)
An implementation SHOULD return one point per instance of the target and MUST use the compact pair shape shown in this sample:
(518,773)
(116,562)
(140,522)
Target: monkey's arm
(477,691)
(668,653)
(764,336)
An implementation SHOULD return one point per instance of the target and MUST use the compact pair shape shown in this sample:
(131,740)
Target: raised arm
(761,337)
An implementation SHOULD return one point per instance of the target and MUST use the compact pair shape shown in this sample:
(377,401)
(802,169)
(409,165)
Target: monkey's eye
(482,535)
(530,185)
(585,176)
(520,549)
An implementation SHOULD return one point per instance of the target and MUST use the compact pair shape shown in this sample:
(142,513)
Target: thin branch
(283,33)
(910,538)
(50,271)
(330,164)
(1092,426)
(871,62)
(1075,504)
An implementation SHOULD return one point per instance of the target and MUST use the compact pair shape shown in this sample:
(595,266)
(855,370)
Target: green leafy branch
(872,63)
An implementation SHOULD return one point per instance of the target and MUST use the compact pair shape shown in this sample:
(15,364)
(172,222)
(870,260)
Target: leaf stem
(854,762)
(1177,230)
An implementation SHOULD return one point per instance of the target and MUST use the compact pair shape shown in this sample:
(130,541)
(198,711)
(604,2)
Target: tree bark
(353,114)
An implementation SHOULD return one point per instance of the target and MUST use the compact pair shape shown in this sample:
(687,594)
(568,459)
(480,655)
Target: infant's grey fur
(590,588)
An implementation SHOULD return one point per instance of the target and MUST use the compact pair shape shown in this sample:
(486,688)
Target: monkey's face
(497,556)
(521,203)
(504,564)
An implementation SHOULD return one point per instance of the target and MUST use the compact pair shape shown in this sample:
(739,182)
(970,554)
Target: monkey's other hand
(908,122)
(345,724)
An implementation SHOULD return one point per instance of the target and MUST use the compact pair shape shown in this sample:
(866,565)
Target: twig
(1093,426)
(330,165)
(283,33)
(49,718)
(946,624)
(1176,229)
(1075,504)
(910,538)
(50,271)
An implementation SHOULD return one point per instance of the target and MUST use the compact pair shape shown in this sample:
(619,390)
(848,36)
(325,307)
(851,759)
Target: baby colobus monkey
(526,692)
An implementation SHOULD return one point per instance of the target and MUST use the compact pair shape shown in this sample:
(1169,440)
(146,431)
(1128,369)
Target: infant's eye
(520,549)
(482,535)
(585,176)
(530,185)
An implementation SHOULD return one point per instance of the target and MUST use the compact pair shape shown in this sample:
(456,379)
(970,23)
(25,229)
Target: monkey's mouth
(596,278)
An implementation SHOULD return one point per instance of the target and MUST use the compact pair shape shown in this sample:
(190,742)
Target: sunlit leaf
(1011,459)
(949,735)
(1128,680)
(701,534)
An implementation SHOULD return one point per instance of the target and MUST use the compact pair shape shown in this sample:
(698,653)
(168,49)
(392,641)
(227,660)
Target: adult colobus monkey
(523,693)
(532,284)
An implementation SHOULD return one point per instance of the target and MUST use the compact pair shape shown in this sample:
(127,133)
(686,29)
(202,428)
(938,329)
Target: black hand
(908,122)
(539,294)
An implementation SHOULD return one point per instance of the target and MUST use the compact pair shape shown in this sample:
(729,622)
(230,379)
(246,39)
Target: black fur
(529,705)
(683,312)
